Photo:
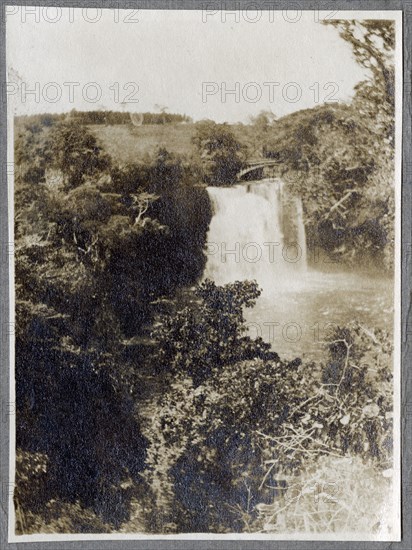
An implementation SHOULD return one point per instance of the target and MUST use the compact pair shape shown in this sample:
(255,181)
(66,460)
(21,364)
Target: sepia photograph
(205,273)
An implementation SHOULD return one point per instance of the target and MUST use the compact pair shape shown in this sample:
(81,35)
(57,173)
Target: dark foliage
(221,153)
(209,333)
(95,249)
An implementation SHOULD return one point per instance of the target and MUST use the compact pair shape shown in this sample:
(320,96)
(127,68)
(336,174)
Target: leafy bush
(209,332)
(361,359)
(36,512)
(206,451)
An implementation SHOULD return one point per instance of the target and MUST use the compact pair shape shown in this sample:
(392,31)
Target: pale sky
(166,58)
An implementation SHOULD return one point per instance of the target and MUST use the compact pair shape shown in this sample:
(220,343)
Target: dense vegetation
(142,403)
(94,256)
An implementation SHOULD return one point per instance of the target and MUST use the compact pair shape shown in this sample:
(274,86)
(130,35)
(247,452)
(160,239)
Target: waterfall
(256,232)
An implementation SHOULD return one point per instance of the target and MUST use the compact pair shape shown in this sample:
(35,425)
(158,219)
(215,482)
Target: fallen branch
(337,204)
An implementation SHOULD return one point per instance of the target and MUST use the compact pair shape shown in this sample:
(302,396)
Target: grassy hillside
(127,143)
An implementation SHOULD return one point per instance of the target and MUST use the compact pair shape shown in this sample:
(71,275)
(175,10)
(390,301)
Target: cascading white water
(256,232)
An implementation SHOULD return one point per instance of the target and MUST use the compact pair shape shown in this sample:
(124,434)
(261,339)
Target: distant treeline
(106,117)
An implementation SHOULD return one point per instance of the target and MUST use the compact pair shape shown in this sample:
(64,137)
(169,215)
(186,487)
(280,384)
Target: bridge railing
(253,166)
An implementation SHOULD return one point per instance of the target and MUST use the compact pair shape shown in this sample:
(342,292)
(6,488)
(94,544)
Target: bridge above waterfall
(267,167)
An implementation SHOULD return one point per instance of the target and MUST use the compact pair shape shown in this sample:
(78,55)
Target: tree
(209,332)
(31,156)
(262,124)
(373,44)
(75,152)
(75,392)
(166,172)
(221,152)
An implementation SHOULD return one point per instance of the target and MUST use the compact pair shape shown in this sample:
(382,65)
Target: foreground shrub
(36,513)
(209,332)
(60,517)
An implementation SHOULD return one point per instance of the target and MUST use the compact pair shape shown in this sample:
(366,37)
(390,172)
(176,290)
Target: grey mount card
(205,274)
